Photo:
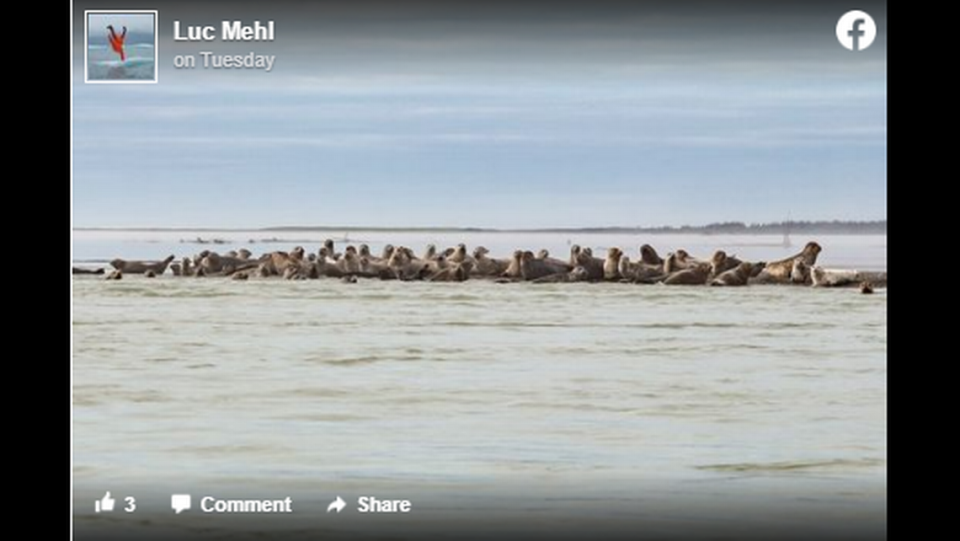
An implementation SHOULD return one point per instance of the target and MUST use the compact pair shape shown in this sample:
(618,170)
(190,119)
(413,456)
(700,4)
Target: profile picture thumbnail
(121,46)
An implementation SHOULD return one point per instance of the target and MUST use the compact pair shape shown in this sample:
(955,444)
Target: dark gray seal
(140,267)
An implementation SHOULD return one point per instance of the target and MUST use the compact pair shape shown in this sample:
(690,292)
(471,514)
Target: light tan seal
(387,252)
(186,267)
(611,265)
(278,262)
(213,264)
(350,263)
(721,263)
(486,266)
(800,273)
(681,260)
(574,255)
(821,277)
(459,254)
(374,268)
(513,268)
(780,271)
(678,261)
(455,272)
(406,266)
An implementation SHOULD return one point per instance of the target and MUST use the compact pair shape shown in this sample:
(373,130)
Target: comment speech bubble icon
(180,502)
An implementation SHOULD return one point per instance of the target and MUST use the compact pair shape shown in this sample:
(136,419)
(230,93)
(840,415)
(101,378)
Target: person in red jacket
(116,42)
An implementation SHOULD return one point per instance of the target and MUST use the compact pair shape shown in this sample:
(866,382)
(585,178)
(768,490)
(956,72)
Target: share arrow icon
(337,504)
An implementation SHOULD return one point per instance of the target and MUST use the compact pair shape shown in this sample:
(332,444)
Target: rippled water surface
(626,396)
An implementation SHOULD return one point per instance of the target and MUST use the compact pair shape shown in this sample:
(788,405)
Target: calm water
(635,404)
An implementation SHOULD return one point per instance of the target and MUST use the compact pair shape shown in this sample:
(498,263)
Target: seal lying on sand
(79,270)
(781,271)
(544,255)
(375,268)
(488,266)
(640,272)
(681,260)
(277,263)
(738,276)
(532,268)
(140,267)
(457,272)
(578,274)
(593,265)
(721,263)
(214,263)
(405,266)
(821,277)
(693,276)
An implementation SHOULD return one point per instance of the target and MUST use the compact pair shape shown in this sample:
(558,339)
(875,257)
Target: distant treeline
(835,227)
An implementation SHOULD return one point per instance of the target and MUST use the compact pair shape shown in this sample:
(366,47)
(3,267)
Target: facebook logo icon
(856,30)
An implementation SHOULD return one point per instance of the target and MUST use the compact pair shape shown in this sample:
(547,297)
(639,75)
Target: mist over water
(641,404)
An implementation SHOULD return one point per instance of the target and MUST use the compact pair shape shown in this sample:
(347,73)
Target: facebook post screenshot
(439,269)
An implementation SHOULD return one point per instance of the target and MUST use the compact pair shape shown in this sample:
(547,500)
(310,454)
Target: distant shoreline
(728,228)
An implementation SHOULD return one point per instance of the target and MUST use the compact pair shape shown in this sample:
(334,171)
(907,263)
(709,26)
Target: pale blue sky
(615,122)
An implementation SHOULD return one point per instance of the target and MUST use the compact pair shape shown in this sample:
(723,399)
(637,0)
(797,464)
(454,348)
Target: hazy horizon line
(714,226)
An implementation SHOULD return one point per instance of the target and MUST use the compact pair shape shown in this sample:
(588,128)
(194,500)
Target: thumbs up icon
(104,504)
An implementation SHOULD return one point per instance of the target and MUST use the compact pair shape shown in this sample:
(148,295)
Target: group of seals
(456,264)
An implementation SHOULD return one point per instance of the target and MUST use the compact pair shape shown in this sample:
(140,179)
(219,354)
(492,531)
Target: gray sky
(444,114)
